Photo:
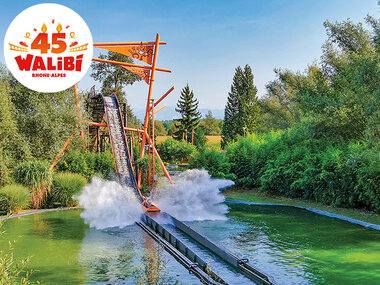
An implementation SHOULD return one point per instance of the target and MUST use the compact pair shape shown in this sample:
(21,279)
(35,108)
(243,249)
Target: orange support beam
(163,96)
(159,109)
(125,128)
(148,104)
(127,44)
(79,114)
(133,130)
(98,124)
(166,172)
(60,152)
(131,65)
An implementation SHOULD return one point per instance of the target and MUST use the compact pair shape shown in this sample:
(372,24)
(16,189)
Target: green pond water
(292,245)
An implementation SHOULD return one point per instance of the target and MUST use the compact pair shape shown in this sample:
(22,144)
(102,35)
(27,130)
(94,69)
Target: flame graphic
(43,28)
(59,27)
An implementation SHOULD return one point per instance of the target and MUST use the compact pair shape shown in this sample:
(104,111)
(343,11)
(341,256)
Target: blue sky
(207,40)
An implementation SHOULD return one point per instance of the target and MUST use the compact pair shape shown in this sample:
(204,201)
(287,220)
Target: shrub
(14,198)
(248,156)
(216,163)
(368,178)
(88,164)
(295,165)
(37,176)
(65,186)
(174,151)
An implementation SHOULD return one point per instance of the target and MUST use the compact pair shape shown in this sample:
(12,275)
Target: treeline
(315,134)
(209,125)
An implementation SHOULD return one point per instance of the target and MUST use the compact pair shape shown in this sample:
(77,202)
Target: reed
(37,176)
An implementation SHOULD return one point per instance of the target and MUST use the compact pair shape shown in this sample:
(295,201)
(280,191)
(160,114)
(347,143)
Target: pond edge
(37,212)
(319,212)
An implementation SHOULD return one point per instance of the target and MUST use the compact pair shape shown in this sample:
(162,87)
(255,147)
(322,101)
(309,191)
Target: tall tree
(242,109)
(187,106)
(248,101)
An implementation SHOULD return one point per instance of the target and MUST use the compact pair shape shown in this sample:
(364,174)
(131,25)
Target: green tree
(210,125)
(248,101)
(278,106)
(159,128)
(187,106)
(337,99)
(231,126)
(45,120)
(114,78)
(12,146)
(242,109)
(172,129)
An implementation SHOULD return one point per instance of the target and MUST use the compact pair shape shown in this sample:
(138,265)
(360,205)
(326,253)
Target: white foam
(107,204)
(194,196)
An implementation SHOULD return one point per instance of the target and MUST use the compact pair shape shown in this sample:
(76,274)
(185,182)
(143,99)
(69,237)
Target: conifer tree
(242,108)
(249,102)
(187,106)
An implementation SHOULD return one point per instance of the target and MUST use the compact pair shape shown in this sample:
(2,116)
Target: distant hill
(169,113)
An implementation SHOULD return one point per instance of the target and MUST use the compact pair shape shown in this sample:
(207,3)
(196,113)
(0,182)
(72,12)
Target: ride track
(149,221)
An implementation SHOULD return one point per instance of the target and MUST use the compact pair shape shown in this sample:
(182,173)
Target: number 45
(41,42)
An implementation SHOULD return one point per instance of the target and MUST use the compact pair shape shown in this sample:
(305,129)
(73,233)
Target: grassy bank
(253,195)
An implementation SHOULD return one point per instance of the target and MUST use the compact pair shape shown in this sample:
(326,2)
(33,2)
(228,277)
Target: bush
(37,176)
(293,164)
(14,198)
(216,163)
(248,156)
(89,164)
(368,177)
(32,173)
(173,151)
(65,186)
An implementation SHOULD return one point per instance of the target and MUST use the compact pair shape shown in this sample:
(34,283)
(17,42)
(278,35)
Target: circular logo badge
(48,47)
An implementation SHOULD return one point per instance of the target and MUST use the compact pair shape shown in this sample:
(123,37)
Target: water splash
(108,204)
(194,196)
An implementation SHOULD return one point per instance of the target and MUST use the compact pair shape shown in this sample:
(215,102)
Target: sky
(207,40)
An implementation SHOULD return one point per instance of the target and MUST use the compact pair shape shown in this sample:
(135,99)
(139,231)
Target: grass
(37,176)
(253,195)
(213,139)
(14,197)
(213,142)
(213,145)
(65,186)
